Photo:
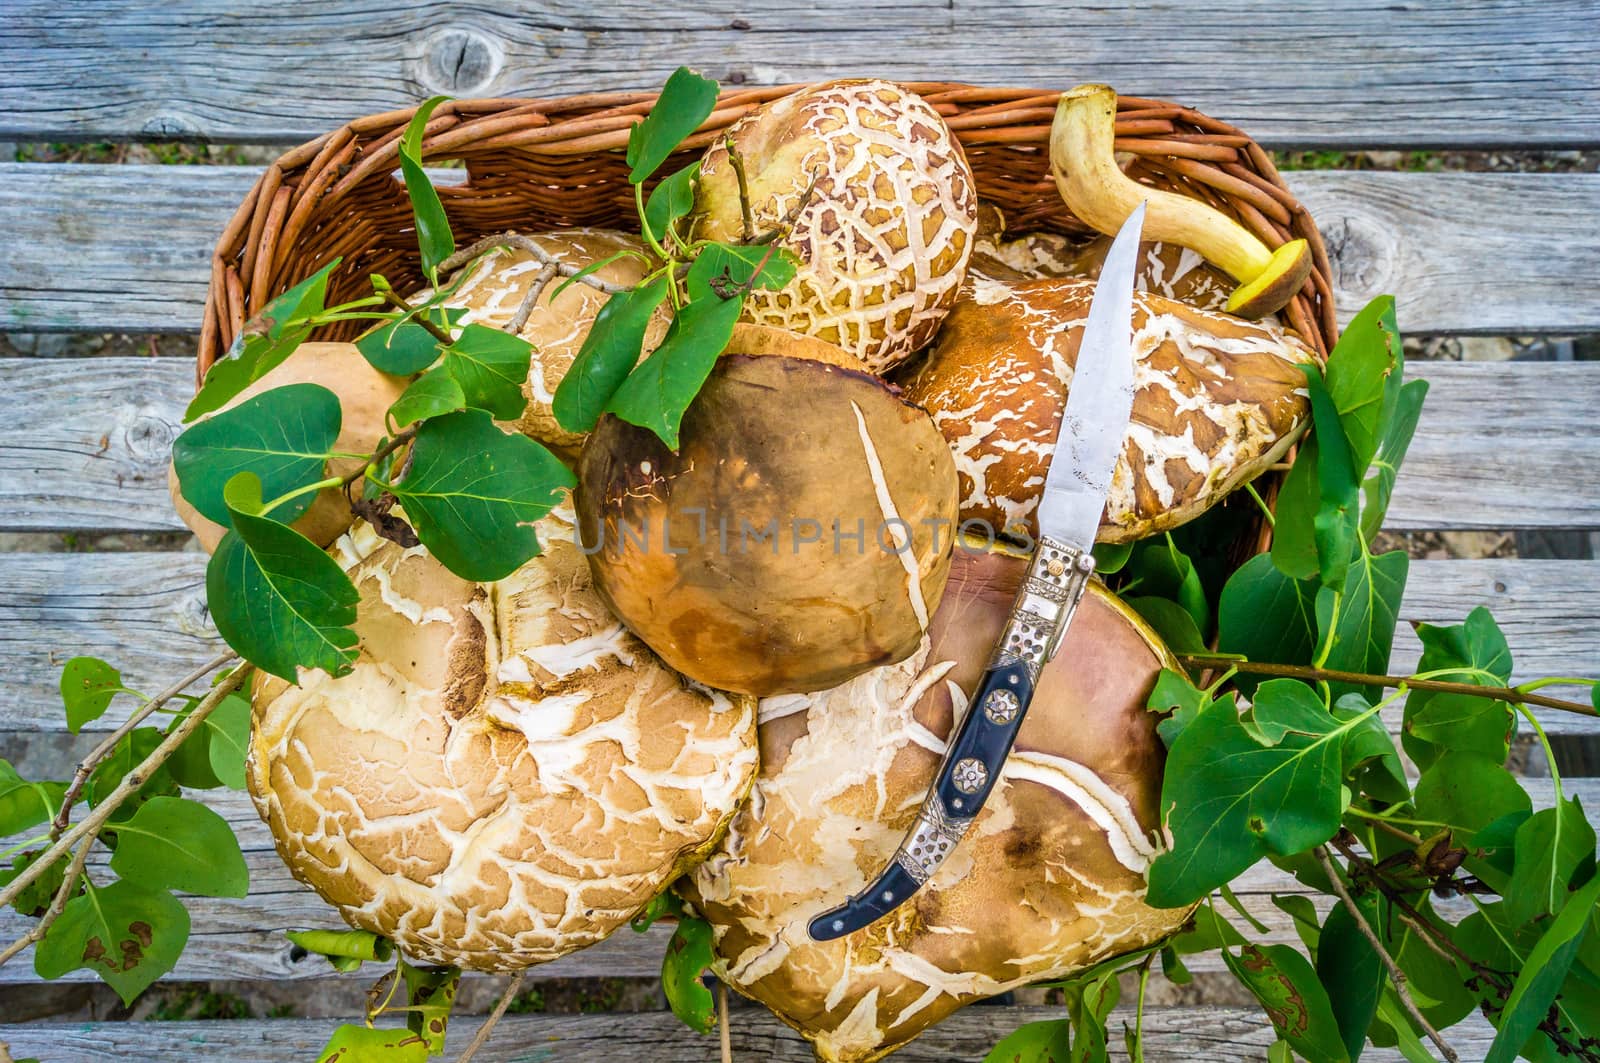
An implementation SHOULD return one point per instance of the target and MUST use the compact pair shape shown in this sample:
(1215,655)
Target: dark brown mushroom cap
(724,557)
(1217,400)
(1050,880)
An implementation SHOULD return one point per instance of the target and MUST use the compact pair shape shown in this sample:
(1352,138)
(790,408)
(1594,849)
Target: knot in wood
(1362,254)
(149,440)
(460,62)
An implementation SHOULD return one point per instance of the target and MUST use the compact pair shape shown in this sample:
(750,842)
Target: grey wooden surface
(1178,1035)
(1326,72)
(128,247)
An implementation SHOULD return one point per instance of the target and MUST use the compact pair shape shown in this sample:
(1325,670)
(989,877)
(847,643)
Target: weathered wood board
(1326,73)
(128,247)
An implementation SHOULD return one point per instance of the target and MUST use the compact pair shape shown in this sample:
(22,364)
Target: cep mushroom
(800,534)
(1216,401)
(495,292)
(866,185)
(365,396)
(1084,165)
(1050,880)
(507,774)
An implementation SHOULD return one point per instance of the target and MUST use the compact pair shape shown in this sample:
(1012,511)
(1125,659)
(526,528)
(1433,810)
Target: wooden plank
(127,248)
(1325,73)
(84,445)
(1180,1035)
(146,613)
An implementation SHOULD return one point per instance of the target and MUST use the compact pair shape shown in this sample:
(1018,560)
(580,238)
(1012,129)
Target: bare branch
(415,315)
(58,904)
(737,162)
(786,223)
(545,275)
(477,1042)
(1394,682)
(80,778)
(1396,975)
(128,787)
(540,255)
(722,1021)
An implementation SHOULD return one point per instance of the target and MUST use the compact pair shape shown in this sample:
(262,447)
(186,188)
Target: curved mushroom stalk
(1083,163)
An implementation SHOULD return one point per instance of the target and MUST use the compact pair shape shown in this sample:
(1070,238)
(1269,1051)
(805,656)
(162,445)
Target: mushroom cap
(558,324)
(506,775)
(1216,401)
(884,240)
(365,396)
(724,557)
(1050,880)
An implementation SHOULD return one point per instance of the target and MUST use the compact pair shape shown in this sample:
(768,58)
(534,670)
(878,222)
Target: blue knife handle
(977,751)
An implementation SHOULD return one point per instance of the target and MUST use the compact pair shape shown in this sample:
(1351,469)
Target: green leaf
(263,344)
(434,238)
(126,755)
(430,395)
(1180,699)
(366,1044)
(1378,487)
(404,346)
(1171,621)
(173,843)
(282,436)
(1351,970)
(34,898)
(1286,986)
(190,764)
(657,393)
(1392,1012)
(1552,846)
(686,100)
(229,729)
(1237,793)
(1048,1041)
(492,367)
(1370,758)
(1363,631)
(1294,548)
(24,804)
(87,686)
(127,934)
(729,266)
(1541,974)
(1266,616)
(278,600)
(430,994)
(1111,557)
(660,906)
(1089,1001)
(1360,370)
(608,355)
(671,199)
(1159,568)
(1437,721)
(1467,791)
(473,493)
(1333,528)
(689,954)
(358,945)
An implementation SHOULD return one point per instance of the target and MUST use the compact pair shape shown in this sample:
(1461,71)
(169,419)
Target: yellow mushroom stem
(1084,165)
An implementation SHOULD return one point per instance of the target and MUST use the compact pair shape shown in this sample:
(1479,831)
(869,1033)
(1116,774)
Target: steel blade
(1099,401)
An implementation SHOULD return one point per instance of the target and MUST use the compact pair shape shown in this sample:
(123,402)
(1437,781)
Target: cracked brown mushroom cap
(1083,163)
(884,238)
(557,324)
(1216,401)
(1050,880)
(507,774)
(365,396)
(800,535)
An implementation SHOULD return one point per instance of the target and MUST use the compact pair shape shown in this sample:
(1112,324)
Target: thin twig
(1396,975)
(416,315)
(58,904)
(494,1016)
(786,222)
(401,438)
(80,778)
(540,255)
(737,162)
(545,275)
(722,1021)
(129,785)
(1332,675)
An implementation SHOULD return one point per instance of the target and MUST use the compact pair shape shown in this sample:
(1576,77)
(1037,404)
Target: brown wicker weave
(542,164)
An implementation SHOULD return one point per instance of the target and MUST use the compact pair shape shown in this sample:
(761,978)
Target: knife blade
(1088,443)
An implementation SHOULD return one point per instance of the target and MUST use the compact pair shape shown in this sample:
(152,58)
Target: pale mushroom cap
(1050,880)
(507,775)
(558,325)
(799,535)
(365,396)
(884,240)
(1217,400)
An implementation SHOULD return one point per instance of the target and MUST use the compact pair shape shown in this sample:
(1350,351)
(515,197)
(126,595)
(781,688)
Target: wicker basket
(544,164)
